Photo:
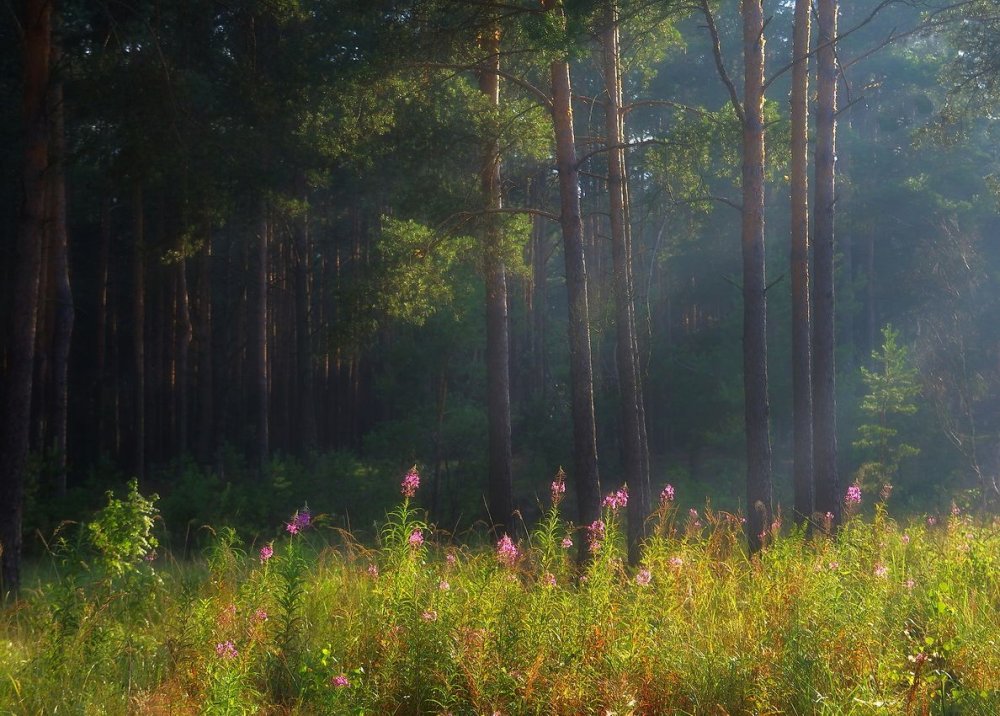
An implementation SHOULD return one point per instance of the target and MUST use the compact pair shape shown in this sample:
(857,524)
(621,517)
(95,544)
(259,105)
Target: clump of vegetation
(877,618)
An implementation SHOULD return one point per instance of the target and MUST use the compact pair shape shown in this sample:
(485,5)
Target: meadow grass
(879,618)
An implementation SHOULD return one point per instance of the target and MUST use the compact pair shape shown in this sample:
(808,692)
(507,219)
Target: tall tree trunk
(500,489)
(802,469)
(206,387)
(586,477)
(757,407)
(36,24)
(263,432)
(539,298)
(138,332)
(100,370)
(183,351)
(303,332)
(633,459)
(828,493)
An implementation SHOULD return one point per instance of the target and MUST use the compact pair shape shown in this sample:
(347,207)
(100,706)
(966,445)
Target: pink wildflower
(667,495)
(676,561)
(595,534)
(853,496)
(617,499)
(881,571)
(906,539)
(643,577)
(451,560)
(955,510)
(260,615)
(373,570)
(416,538)
(548,579)
(909,584)
(340,681)
(931,521)
(558,487)
(266,552)
(410,483)
(566,543)
(226,650)
(443,585)
(506,551)
(429,616)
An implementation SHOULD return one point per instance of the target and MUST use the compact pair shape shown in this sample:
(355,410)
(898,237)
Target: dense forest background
(274,236)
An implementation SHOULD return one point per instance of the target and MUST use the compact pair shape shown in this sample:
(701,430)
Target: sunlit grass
(882,618)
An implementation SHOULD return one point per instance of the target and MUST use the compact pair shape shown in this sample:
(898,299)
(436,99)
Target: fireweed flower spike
(226,650)
(506,551)
(416,538)
(266,552)
(618,499)
(340,681)
(411,482)
(643,578)
(667,495)
(853,496)
(558,487)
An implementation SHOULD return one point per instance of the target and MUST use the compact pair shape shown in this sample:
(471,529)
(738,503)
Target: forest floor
(881,618)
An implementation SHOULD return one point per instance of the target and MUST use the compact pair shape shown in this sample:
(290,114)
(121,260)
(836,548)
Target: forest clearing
(729,269)
(881,618)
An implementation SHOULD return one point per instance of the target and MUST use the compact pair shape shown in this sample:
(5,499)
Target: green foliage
(418,268)
(892,389)
(122,532)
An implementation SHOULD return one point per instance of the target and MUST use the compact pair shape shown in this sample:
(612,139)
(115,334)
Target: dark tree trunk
(138,333)
(802,470)
(828,493)
(755,388)
(36,24)
(501,501)
(633,458)
(183,351)
(303,333)
(100,370)
(586,478)
(206,387)
(263,425)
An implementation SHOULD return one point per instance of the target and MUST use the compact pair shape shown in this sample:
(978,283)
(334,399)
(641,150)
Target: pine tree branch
(720,65)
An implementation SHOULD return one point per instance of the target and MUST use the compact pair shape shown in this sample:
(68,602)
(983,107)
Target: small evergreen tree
(892,387)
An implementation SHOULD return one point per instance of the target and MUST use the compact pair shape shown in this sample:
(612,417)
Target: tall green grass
(880,618)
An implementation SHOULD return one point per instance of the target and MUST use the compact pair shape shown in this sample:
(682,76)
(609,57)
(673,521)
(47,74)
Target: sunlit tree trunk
(828,492)
(303,329)
(633,457)
(586,478)
(757,405)
(36,25)
(802,468)
(501,502)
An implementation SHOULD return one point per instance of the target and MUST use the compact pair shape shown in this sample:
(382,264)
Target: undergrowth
(873,618)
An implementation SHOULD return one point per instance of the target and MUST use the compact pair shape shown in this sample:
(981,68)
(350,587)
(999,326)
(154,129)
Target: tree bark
(802,469)
(585,468)
(206,387)
(138,331)
(303,332)
(828,493)
(36,24)
(757,406)
(263,431)
(184,336)
(500,489)
(630,393)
